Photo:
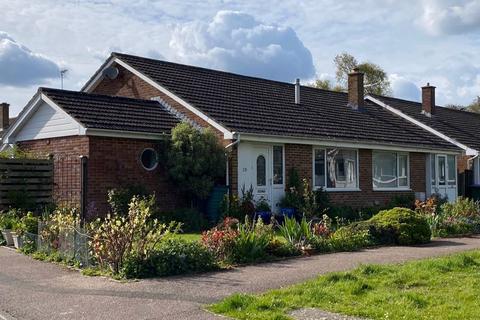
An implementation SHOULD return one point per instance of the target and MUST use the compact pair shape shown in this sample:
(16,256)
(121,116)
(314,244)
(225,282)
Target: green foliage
(191,219)
(27,224)
(298,235)
(8,221)
(462,207)
(278,248)
(171,257)
(252,241)
(448,219)
(16,153)
(403,201)
(475,105)
(61,223)
(345,239)
(194,159)
(21,199)
(135,236)
(376,79)
(262,206)
(119,198)
(400,226)
(441,288)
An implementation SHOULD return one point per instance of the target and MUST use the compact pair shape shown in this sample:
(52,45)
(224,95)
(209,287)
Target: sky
(415,42)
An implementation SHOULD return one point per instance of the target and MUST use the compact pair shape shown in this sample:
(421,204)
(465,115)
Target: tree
(376,79)
(194,159)
(475,105)
(326,85)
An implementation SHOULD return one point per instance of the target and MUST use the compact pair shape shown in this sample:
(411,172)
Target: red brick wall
(112,163)
(66,152)
(300,157)
(115,163)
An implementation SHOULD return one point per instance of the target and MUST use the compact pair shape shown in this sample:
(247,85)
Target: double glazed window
(390,170)
(335,168)
(443,169)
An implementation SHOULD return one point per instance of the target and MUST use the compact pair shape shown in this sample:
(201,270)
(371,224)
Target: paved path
(32,289)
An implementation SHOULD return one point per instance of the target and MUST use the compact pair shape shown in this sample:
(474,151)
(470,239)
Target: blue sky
(436,41)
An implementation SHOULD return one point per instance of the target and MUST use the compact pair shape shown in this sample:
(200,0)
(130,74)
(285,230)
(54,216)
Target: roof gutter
(237,141)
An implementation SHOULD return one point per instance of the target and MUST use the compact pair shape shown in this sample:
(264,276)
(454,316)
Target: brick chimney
(428,100)
(4,116)
(355,89)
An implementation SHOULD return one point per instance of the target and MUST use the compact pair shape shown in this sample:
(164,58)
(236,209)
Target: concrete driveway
(32,289)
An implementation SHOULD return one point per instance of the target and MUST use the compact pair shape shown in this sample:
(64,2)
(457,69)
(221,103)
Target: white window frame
(324,149)
(283,165)
(397,153)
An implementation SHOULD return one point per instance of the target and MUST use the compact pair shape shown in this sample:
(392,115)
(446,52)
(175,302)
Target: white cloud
(404,88)
(237,42)
(21,67)
(451,17)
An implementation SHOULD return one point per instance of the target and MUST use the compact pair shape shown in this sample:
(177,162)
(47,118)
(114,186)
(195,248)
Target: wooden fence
(27,180)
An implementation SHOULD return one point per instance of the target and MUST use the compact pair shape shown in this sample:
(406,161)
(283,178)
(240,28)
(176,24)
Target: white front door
(261,167)
(443,176)
(262,174)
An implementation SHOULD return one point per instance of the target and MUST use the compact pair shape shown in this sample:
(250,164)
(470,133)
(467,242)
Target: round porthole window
(149,159)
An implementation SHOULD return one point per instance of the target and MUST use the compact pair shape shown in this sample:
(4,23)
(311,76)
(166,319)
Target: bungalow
(355,148)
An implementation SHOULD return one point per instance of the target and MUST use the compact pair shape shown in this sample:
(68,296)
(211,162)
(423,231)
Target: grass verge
(440,288)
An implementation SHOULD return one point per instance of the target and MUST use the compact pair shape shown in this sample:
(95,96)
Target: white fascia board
(468,151)
(339,144)
(125,134)
(226,133)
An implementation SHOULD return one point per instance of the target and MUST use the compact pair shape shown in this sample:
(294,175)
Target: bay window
(335,168)
(390,170)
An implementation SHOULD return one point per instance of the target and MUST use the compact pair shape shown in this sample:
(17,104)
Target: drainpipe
(227,175)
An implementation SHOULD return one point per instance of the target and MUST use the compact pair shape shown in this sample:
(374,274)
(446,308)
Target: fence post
(84,184)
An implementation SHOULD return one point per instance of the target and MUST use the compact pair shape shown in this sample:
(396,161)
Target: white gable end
(47,122)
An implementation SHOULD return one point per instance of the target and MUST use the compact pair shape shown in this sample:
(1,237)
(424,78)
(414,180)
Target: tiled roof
(113,113)
(259,106)
(460,125)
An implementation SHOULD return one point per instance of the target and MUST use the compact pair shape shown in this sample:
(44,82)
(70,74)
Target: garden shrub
(344,239)
(171,257)
(234,242)
(58,226)
(400,226)
(133,237)
(194,159)
(220,240)
(457,218)
(192,220)
(297,234)
(119,198)
(278,248)
(251,241)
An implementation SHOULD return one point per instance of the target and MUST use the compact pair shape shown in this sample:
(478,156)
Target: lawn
(440,288)
(189,236)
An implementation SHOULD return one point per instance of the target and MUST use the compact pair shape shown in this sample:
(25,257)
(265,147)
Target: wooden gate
(25,182)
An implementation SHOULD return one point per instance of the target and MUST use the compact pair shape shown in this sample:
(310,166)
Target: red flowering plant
(323,228)
(221,239)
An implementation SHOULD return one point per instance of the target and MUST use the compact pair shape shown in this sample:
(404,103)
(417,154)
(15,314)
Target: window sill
(341,189)
(392,189)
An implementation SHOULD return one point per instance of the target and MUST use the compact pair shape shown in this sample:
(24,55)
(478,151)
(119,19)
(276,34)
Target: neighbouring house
(5,120)
(355,148)
(119,137)
(459,127)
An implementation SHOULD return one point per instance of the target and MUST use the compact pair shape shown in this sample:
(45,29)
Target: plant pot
(17,240)
(288,212)
(7,235)
(264,215)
